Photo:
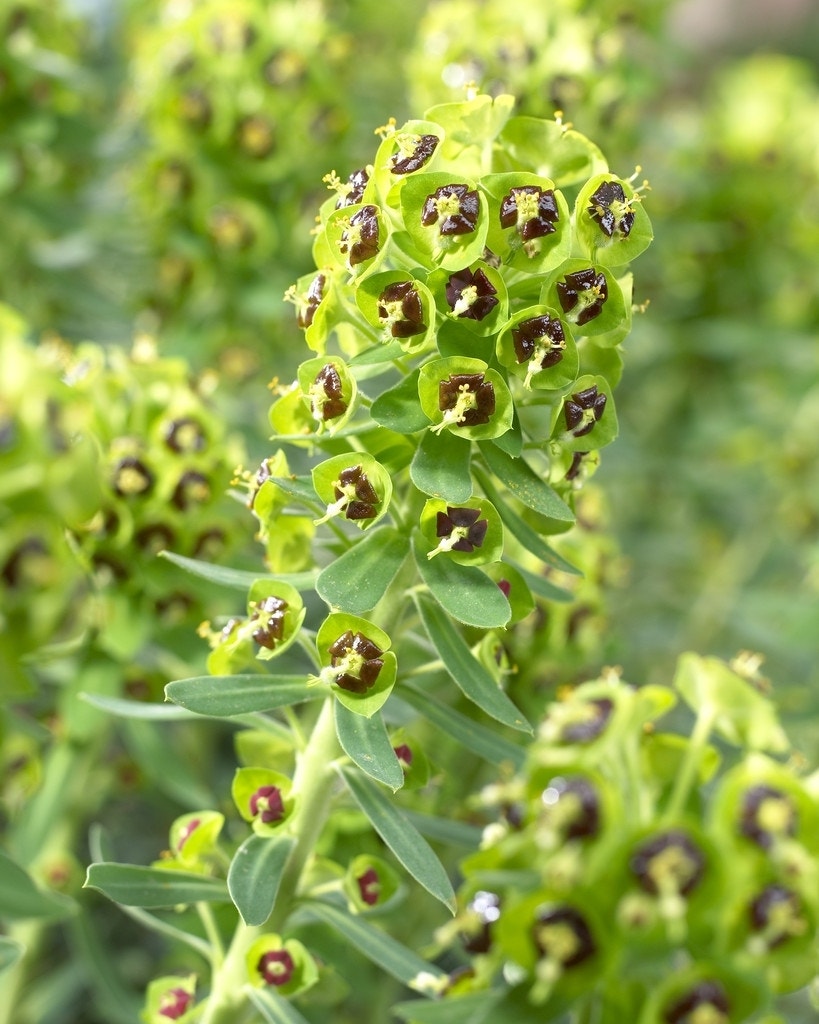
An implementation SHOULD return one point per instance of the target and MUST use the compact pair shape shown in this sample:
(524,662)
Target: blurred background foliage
(160,167)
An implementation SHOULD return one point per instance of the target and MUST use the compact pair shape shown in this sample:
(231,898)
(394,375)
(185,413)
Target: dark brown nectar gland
(767,815)
(468,398)
(453,209)
(270,615)
(611,210)
(358,661)
(326,394)
(276,967)
(707,1001)
(131,478)
(400,310)
(414,156)
(362,499)
(583,295)
(359,241)
(175,1003)
(369,887)
(562,934)
(306,308)
(471,296)
(353,191)
(670,863)
(540,342)
(531,210)
(583,410)
(184,436)
(777,912)
(267,804)
(463,526)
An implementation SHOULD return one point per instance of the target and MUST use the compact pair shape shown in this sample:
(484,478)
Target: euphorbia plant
(470,295)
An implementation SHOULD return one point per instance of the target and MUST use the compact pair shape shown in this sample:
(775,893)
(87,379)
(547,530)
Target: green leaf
(526,536)
(298,487)
(445,830)
(463,591)
(474,736)
(254,875)
(525,484)
(544,588)
(226,696)
(399,409)
(137,708)
(405,841)
(379,947)
(468,674)
(10,952)
(238,579)
(474,1008)
(135,886)
(273,1008)
(356,581)
(366,742)
(440,467)
(20,897)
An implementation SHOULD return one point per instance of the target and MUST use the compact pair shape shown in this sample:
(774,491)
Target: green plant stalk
(693,758)
(313,791)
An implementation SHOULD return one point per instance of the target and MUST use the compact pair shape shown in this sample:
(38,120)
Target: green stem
(313,791)
(686,777)
(213,934)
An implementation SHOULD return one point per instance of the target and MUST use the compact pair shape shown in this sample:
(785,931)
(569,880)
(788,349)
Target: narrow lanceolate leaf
(440,467)
(358,580)
(21,898)
(399,409)
(255,873)
(474,1008)
(530,539)
(544,588)
(226,696)
(445,830)
(10,952)
(137,708)
(466,671)
(402,837)
(273,1008)
(366,742)
(379,947)
(135,886)
(237,579)
(463,591)
(474,736)
(522,481)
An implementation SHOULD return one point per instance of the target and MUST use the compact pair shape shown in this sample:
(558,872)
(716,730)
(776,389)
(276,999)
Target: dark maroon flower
(276,967)
(354,191)
(471,296)
(185,435)
(592,718)
(270,614)
(400,306)
(584,409)
(586,288)
(306,310)
(406,163)
(404,754)
(154,537)
(766,815)
(484,909)
(369,887)
(331,404)
(364,504)
(541,338)
(360,240)
(193,488)
(358,659)
(131,477)
(562,933)
(459,386)
(670,861)
(175,1003)
(532,210)
(267,804)
(778,912)
(572,803)
(704,994)
(465,524)
(454,208)
(610,208)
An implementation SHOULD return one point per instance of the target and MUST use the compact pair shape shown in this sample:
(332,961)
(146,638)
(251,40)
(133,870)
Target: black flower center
(532,210)
(354,486)
(611,210)
(670,863)
(563,935)
(359,241)
(185,436)
(583,294)
(471,296)
(453,208)
(463,527)
(571,806)
(358,661)
(414,152)
(325,394)
(400,310)
(466,399)
(131,477)
(691,1008)
(767,814)
(269,614)
(583,410)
